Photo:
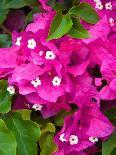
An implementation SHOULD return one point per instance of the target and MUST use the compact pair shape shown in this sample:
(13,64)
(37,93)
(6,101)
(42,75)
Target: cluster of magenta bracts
(49,76)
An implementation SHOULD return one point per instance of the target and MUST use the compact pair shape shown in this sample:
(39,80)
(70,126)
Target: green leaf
(31,2)
(109,145)
(5,40)
(77,30)
(26,133)
(61,24)
(47,144)
(14,4)
(3,11)
(49,127)
(7,140)
(26,114)
(58,7)
(47,132)
(75,2)
(113,152)
(5,97)
(111,114)
(85,12)
(59,118)
(51,3)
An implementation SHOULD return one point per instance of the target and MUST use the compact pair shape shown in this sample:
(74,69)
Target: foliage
(5,98)
(109,145)
(63,24)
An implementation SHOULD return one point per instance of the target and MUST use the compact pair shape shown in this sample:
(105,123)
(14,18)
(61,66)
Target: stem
(5,29)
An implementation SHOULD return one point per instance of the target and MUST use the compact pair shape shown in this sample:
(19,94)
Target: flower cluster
(51,75)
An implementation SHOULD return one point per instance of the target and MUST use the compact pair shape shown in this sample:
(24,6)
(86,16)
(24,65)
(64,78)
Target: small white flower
(18,42)
(99,6)
(56,81)
(111,21)
(31,44)
(97,1)
(93,139)
(108,6)
(40,53)
(73,140)
(11,90)
(36,82)
(50,55)
(37,107)
(62,139)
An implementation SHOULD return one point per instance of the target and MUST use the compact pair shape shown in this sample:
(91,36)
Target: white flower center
(108,6)
(37,107)
(56,81)
(11,90)
(36,82)
(40,53)
(18,42)
(93,139)
(62,139)
(73,140)
(97,1)
(50,55)
(99,6)
(31,44)
(111,21)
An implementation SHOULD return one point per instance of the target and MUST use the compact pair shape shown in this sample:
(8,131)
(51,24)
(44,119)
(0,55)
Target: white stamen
(111,21)
(31,44)
(108,6)
(40,53)
(36,82)
(50,55)
(97,1)
(37,107)
(18,42)
(62,139)
(56,81)
(73,140)
(11,90)
(93,139)
(99,6)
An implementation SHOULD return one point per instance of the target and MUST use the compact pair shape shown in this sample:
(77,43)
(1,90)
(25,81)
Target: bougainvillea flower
(88,126)
(62,152)
(44,5)
(8,60)
(96,123)
(104,7)
(41,22)
(50,76)
(84,91)
(48,88)
(74,56)
(108,69)
(71,138)
(100,30)
(8,57)
(48,108)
